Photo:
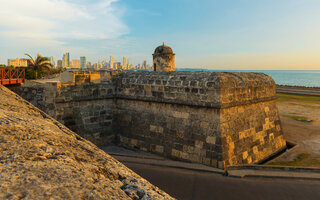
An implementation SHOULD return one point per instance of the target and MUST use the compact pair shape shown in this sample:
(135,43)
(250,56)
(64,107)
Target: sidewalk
(247,171)
(128,156)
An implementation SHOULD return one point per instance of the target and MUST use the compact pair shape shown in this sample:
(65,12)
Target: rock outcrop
(42,159)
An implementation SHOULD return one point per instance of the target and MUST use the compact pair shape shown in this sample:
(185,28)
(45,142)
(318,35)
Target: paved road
(298,90)
(191,185)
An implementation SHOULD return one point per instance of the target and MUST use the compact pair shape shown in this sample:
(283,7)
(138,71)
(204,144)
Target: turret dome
(163,49)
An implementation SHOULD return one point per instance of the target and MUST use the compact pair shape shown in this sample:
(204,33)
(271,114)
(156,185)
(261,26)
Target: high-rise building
(75,64)
(144,65)
(66,60)
(19,62)
(59,63)
(83,61)
(89,65)
(111,62)
(125,63)
(99,66)
(117,65)
(52,62)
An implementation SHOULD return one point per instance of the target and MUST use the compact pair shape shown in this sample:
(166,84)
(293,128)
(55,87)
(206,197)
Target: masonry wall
(202,117)
(86,109)
(250,132)
(250,124)
(40,95)
(177,131)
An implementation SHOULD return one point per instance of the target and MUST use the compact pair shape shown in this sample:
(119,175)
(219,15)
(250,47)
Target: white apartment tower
(125,63)
(111,62)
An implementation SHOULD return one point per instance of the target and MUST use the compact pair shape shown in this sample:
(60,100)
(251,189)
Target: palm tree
(41,63)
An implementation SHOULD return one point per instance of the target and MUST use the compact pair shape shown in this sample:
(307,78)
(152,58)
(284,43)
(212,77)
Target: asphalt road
(191,185)
(298,90)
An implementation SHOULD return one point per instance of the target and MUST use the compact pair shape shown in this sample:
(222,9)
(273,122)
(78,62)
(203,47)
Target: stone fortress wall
(86,109)
(202,117)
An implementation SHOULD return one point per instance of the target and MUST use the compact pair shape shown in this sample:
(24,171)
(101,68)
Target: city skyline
(207,34)
(69,62)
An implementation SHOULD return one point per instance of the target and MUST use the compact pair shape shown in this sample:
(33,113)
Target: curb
(176,167)
(157,163)
(274,168)
(276,177)
(231,170)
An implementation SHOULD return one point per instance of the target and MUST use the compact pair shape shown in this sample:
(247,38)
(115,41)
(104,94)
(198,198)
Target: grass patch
(293,113)
(306,105)
(296,97)
(299,118)
(302,160)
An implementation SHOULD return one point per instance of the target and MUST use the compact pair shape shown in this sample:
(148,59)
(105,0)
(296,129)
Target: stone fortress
(213,118)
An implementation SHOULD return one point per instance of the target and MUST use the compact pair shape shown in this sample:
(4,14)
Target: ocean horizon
(307,78)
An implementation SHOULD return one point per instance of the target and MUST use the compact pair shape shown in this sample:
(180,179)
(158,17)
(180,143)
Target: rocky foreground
(42,159)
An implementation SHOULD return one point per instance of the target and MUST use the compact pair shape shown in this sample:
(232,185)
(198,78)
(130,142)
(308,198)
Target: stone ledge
(196,104)
(273,168)
(205,89)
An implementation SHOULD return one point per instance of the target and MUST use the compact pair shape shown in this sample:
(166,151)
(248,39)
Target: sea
(307,78)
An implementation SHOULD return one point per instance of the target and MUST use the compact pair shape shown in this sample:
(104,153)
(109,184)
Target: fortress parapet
(202,117)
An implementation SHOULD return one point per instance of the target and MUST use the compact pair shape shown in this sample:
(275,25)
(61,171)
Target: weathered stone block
(159,149)
(204,117)
(228,115)
(211,139)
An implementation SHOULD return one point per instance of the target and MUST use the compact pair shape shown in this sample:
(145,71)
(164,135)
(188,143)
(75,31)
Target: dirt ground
(300,118)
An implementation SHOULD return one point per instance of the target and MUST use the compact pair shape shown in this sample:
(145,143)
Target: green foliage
(7,67)
(302,160)
(30,72)
(299,118)
(40,66)
(296,97)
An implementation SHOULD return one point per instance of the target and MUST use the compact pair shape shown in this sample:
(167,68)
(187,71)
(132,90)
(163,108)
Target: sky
(209,34)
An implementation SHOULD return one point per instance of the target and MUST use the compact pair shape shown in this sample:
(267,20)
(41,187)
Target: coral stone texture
(163,59)
(42,159)
(202,117)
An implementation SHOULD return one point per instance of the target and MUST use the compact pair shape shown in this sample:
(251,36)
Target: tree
(40,64)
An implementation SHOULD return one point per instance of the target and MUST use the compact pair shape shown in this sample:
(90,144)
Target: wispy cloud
(56,21)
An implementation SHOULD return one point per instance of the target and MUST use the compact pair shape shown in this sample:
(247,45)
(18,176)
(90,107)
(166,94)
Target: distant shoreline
(297,86)
(296,78)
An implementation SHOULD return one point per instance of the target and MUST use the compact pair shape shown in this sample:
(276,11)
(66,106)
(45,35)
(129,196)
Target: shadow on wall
(202,117)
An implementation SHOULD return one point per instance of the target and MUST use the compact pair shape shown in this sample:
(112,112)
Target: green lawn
(302,160)
(296,97)
(299,118)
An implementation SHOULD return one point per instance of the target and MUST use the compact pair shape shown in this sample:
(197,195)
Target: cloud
(53,22)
